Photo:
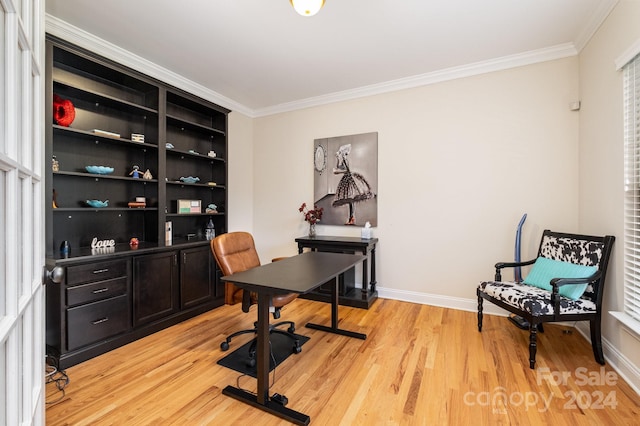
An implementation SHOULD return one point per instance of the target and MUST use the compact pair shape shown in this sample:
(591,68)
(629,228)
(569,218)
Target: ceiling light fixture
(307,7)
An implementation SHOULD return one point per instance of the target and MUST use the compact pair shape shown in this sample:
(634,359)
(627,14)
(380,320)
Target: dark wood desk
(297,274)
(348,294)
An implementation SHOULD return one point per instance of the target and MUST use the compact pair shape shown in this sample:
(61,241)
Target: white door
(21,212)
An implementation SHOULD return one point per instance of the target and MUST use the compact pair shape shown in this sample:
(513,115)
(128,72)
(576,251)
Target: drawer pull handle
(100,271)
(100,290)
(101,320)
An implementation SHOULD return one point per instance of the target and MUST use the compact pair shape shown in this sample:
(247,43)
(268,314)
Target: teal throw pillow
(544,270)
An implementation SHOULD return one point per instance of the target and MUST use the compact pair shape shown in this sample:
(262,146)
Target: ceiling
(260,57)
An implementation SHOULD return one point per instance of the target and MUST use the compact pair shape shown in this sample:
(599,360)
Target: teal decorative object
(97,203)
(99,170)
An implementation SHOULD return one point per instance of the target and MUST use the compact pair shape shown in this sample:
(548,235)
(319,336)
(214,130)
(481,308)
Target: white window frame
(629,64)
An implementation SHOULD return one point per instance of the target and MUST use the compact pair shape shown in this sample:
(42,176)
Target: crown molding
(75,35)
(604,9)
(626,56)
(79,37)
(497,64)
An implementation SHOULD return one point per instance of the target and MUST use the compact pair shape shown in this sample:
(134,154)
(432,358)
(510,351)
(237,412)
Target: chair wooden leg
(533,346)
(479,313)
(596,340)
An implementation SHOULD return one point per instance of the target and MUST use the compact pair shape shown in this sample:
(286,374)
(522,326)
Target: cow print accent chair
(538,305)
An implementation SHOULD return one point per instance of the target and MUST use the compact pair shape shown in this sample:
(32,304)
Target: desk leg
(261,400)
(373,270)
(262,349)
(335,300)
(334,317)
(365,277)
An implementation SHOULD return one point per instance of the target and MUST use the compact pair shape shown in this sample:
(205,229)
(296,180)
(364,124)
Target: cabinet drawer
(96,271)
(96,321)
(96,291)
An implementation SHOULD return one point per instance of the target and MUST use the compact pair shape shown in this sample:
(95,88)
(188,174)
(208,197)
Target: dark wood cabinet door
(155,286)
(197,276)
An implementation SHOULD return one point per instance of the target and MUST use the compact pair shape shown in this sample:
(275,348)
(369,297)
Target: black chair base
(289,332)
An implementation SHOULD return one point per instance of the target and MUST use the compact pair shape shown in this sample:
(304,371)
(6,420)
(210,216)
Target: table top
(296,274)
(327,239)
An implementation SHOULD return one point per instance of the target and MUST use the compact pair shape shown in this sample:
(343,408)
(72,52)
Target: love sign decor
(95,244)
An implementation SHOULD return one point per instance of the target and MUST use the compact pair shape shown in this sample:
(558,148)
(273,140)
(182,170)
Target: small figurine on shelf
(54,202)
(211,208)
(135,173)
(147,175)
(212,154)
(133,242)
(55,165)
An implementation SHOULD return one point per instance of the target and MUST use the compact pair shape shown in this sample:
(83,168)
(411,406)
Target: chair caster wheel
(251,362)
(291,329)
(224,346)
(297,349)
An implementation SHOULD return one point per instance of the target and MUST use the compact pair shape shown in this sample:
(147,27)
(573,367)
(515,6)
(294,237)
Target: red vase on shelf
(63,111)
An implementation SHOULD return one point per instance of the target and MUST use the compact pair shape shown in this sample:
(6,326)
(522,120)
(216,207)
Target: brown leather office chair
(236,252)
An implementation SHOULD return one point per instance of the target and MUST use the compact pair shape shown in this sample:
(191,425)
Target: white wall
(602,167)
(240,172)
(459,163)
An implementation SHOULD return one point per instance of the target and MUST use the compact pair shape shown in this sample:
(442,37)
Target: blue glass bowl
(99,170)
(97,203)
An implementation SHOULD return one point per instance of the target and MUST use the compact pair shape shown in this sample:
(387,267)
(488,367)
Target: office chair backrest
(235,252)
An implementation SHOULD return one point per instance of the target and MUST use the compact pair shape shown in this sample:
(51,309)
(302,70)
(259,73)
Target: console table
(348,294)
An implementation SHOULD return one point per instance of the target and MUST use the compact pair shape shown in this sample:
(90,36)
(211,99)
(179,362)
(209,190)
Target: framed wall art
(346,179)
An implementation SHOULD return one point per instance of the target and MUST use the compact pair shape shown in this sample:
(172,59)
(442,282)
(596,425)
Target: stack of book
(105,133)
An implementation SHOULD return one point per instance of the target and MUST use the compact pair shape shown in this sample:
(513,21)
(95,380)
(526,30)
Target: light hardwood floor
(420,365)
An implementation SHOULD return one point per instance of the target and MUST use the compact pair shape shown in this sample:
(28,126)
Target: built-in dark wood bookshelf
(110,296)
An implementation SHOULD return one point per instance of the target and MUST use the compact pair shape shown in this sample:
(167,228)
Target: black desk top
(296,274)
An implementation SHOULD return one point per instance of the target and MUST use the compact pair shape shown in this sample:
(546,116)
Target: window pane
(3,245)
(3,97)
(631,80)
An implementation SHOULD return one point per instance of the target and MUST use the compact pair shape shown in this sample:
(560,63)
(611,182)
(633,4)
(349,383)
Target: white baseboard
(459,303)
(616,360)
(620,363)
